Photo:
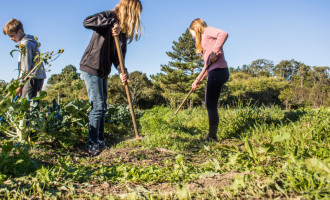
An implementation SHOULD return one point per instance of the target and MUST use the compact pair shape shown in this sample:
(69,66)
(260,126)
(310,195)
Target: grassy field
(263,153)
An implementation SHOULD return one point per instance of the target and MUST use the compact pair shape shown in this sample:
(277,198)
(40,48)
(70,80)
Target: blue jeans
(97,93)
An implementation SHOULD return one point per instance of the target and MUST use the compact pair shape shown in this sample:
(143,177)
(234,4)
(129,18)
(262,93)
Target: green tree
(66,86)
(55,78)
(176,77)
(143,93)
(262,67)
(321,75)
(68,74)
(246,69)
(286,69)
(320,95)
(287,96)
(3,85)
(116,91)
(255,89)
(302,73)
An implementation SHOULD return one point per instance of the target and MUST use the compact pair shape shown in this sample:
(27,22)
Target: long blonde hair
(198,26)
(129,13)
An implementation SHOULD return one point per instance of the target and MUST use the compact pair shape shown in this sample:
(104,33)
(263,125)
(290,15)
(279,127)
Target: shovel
(120,56)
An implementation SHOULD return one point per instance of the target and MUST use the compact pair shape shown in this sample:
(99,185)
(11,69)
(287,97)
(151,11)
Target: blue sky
(269,29)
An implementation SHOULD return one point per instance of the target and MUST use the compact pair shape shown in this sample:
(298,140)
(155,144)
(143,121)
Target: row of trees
(289,83)
(164,89)
(294,83)
(69,85)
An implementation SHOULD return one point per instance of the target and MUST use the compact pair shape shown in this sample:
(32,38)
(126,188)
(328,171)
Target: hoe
(185,99)
(120,56)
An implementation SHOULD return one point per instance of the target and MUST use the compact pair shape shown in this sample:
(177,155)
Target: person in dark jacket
(101,53)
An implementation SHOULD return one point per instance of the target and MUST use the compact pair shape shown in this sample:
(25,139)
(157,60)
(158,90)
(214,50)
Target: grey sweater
(25,61)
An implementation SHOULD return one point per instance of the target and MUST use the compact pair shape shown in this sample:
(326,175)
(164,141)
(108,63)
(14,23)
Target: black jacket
(101,52)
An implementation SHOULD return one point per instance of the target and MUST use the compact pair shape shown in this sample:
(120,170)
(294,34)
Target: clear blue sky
(269,29)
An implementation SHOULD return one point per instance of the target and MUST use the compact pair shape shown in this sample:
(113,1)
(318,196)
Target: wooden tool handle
(120,56)
(198,80)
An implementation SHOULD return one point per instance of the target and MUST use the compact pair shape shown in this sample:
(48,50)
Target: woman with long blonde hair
(209,43)
(123,21)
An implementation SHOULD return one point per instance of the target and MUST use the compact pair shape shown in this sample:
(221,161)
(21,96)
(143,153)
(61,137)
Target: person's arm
(100,20)
(204,76)
(220,36)
(196,82)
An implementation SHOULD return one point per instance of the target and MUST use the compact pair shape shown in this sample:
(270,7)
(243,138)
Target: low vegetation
(264,152)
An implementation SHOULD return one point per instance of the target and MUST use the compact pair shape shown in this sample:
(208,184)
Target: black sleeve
(116,62)
(100,20)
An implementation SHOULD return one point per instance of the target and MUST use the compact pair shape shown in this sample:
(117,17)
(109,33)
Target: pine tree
(176,78)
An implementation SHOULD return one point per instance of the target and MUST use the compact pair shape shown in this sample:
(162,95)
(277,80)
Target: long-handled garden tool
(120,56)
(200,77)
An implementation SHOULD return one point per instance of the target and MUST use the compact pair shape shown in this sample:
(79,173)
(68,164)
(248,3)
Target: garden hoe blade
(120,56)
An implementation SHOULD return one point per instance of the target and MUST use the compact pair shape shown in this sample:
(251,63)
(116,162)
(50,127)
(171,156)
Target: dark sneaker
(94,151)
(102,146)
(210,139)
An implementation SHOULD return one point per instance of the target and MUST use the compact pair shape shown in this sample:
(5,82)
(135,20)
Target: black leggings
(216,79)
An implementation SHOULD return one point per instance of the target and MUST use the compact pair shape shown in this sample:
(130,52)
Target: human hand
(124,78)
(195,85)
(213,57)
(19,91)
(116,29)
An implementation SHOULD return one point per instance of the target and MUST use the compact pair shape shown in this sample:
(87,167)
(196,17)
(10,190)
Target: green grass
(263,153)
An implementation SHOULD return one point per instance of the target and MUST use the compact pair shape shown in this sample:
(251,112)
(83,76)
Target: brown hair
(13,26)
(129,13)
(198,26)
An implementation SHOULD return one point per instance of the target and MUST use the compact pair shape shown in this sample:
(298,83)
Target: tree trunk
(58,97)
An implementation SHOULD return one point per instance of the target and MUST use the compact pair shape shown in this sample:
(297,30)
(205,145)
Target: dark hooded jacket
(101,52)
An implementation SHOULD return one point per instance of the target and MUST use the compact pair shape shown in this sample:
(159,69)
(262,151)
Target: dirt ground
(137,156)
